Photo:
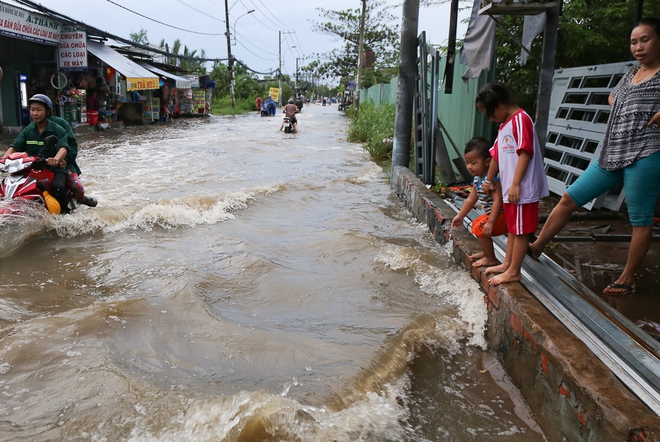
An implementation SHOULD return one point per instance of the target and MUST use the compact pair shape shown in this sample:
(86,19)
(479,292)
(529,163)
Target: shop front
(131,87)
(165,104)
(28,59)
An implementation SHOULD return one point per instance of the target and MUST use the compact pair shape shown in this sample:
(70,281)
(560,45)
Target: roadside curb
(572,394)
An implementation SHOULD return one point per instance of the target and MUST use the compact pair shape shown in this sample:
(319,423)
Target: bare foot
(485,262)
(477,256)
(497,269)
(505,277)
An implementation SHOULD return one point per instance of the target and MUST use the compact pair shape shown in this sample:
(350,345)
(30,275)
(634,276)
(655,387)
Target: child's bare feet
(497,269)
(485,262)
(476,256)
(505,277)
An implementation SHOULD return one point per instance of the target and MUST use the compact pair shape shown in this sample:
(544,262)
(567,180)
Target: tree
(139,37)
(590,32)
(187,60)
(380,36)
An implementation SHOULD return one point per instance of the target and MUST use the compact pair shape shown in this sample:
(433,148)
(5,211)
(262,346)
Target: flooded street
(239,284)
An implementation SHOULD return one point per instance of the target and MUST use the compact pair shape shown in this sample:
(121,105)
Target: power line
(159,22)
(266,7)
(256,18)
(255,46)
(258,56)
(201,12)
(252,70)
(93,31)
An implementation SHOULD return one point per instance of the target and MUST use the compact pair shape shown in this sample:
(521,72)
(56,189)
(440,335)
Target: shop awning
(137,77)
(181,83)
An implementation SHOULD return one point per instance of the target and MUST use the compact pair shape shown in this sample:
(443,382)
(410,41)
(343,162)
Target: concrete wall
(574,397)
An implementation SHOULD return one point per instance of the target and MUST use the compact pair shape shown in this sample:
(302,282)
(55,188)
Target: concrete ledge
(573,395)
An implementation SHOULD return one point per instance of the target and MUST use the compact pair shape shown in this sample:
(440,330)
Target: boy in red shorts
(484,227)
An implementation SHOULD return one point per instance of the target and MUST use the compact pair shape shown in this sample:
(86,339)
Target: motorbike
(29,179)
(288,126)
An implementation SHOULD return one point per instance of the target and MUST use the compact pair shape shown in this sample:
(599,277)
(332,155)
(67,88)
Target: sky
(256,34)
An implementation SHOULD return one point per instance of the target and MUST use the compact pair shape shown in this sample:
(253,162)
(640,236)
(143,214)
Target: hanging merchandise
(73,104)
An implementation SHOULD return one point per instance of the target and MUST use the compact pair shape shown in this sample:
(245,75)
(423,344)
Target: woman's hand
(655,120)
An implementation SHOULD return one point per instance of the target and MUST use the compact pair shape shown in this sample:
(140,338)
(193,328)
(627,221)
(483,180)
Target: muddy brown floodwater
(239,284)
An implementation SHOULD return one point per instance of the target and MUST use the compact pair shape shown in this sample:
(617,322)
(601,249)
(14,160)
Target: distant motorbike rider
(290,111)
(32,139)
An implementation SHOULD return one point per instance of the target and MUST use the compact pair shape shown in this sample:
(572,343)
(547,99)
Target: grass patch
(222,106)
(374,127)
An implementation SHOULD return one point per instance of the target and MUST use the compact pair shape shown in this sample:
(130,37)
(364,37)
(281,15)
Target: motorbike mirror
(50,141)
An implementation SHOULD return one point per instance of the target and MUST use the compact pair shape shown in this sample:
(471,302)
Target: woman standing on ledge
(630,154)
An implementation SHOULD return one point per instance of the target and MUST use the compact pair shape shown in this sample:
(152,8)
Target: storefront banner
(141,84)
(274,93)
(72,54)
(26,25)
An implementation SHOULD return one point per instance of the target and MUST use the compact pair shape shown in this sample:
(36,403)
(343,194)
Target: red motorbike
(29,179)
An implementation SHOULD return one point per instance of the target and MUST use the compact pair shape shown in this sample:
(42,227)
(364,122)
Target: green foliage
(590,32)
(222,106)
(139,37)
(188,58)
(372,125)
(380,36)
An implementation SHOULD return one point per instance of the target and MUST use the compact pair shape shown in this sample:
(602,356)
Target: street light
(230,59)
(236,21)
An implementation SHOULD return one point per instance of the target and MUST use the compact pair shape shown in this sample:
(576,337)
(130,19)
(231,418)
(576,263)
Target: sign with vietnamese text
(26,25)
(72,53)
(194,80)
(141,84)
(274,93)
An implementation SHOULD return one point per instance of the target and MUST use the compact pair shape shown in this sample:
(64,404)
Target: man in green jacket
(32,139)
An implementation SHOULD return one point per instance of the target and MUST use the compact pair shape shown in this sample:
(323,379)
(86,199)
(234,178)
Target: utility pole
(360,48)
(279,97)
(296,75)
(406,88)
(230,59)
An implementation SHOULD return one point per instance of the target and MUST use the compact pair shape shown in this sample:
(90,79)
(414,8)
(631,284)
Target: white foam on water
(166,213)
(261,415)
(370,172)
(449,284)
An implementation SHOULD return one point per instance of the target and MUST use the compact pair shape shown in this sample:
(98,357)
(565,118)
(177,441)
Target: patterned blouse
(627,138)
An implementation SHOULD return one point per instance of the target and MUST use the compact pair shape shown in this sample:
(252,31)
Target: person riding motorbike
(290,111)
(31,140)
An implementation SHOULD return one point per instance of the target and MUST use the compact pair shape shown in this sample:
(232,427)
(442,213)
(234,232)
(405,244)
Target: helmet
(41,98)
(290,100)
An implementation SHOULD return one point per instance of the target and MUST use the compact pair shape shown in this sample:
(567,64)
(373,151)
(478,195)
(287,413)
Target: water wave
(20,221)
(172,213)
